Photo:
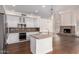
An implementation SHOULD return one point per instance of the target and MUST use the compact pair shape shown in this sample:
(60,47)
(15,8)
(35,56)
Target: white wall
(46,25)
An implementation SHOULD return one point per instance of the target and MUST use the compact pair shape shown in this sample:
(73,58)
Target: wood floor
(62,45)
(66,45)
(19,48)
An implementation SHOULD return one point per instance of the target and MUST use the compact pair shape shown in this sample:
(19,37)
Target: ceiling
(65,7)
(40,10)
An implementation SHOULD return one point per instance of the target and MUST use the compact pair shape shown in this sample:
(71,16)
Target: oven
(22,36)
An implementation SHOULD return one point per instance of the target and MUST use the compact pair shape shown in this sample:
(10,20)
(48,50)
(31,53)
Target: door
(2,31)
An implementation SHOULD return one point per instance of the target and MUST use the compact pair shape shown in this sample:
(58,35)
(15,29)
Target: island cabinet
(41,43)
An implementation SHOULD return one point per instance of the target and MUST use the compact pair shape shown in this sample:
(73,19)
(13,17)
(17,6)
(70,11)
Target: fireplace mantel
(67,30)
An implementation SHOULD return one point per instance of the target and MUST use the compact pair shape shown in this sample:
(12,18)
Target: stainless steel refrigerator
(2,33)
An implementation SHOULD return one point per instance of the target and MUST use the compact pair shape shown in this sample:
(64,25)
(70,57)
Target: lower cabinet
(13,38)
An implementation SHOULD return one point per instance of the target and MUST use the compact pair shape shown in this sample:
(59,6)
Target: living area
(39,29)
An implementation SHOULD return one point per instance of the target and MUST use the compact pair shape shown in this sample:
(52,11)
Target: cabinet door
(12,20)
(44,45)
(29,22)
(36,22)
(13,38)
(32,22)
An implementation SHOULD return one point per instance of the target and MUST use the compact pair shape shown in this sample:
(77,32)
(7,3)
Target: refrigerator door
(2,32)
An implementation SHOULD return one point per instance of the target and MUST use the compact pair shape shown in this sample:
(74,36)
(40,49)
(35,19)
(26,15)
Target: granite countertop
(42,35)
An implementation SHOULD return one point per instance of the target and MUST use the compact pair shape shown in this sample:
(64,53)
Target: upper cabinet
(12,21)
(32,22)
(36,22)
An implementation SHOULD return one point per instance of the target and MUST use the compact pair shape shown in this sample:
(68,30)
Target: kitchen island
(41,43)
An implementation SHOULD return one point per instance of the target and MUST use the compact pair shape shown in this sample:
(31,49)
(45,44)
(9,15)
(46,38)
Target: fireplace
(67,30)
(70,30)
(22,36)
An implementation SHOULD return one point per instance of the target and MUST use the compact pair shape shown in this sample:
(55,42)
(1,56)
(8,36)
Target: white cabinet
(32,22)
(13,38)
(12,21)
(36,22)
(41,46)
(29,22)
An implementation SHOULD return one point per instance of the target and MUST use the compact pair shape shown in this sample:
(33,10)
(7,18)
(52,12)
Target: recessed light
(43,6)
